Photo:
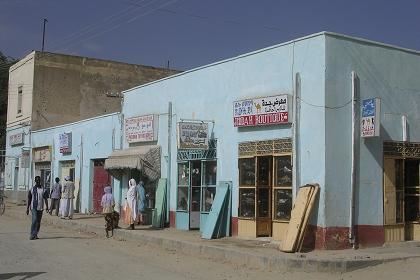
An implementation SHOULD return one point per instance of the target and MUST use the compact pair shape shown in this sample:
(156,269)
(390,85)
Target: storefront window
(210,169)
(247,203)
(247,172)
(282,204)
(283,181)
(209,193)
(196,173)
(182,203)
(283,171)
(183,174)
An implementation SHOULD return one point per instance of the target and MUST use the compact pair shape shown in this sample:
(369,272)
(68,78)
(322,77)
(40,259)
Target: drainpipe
(295,142)
(352,235)
(168,183)
(121,146)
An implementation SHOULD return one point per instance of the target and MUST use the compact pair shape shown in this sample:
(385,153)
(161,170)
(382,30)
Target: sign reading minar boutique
(261,111)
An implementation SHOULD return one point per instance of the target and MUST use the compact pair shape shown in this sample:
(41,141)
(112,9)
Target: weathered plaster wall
(71,88)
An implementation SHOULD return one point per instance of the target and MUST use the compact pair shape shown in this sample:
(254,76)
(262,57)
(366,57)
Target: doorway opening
(401,199)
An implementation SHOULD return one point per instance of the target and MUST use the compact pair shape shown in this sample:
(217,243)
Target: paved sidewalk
(254,253)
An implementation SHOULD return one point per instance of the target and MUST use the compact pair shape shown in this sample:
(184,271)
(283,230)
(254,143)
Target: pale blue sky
(191,33)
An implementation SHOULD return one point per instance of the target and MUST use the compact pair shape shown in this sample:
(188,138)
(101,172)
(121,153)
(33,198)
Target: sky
(192,33)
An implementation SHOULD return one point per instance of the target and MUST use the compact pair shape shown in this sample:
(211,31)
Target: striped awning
(143,158)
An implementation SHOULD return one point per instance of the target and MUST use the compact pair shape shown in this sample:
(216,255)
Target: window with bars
(19,100)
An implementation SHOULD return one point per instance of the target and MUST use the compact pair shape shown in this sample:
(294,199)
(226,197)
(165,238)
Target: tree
(5,63)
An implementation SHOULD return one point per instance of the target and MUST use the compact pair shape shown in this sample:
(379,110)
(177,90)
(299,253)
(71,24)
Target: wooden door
(101,179)
(263,201)
(393,214)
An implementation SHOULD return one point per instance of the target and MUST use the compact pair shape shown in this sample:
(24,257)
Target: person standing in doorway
(36,197)
(141,203)
(55,196)
(131,204)
(67,197)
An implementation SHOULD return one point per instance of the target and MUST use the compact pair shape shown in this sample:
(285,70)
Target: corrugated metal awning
(143,158)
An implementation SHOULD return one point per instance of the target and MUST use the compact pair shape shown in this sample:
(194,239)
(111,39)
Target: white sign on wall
(42,154)
(193,135)
(16,139)
(65,143)
(261,111)
(140,129)
(370,122)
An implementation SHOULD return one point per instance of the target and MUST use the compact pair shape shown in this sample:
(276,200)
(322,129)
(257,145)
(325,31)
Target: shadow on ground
(22,275)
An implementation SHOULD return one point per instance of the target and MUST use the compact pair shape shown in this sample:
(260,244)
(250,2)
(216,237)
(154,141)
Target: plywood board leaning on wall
(299,218)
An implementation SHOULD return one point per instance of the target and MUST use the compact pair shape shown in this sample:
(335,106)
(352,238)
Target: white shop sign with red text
(140,129)
(261,111)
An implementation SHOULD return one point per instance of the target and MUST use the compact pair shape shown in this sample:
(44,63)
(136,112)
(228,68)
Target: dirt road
(60,254)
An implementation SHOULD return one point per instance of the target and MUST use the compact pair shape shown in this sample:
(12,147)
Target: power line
(197,16)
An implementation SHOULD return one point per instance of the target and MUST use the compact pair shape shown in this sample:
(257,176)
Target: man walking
(55,196)
(36,196)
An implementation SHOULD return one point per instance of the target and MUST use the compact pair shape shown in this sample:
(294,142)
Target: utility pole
(43,34)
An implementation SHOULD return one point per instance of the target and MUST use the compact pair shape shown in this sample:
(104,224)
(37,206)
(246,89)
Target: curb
(291,263)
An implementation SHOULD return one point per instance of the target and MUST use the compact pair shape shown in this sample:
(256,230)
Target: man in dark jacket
(36,196)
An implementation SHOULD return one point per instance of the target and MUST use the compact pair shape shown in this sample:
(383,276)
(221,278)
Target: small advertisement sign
(24,160)
(42,154)
(65,143)
(140,129)
(16,139)
(261,111)
(193,135)
(370,121)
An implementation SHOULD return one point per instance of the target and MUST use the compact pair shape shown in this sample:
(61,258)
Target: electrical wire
(325,107)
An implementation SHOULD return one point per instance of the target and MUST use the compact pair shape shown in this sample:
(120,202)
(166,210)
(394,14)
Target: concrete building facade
(47,90)
(267,158)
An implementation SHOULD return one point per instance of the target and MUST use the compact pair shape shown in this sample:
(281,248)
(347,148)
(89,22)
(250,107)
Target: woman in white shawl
(131,209)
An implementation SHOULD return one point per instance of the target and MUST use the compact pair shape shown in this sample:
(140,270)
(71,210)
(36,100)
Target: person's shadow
(24,275)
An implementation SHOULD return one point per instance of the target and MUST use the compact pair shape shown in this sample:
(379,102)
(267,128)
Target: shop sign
(24,160)
(140,129)
(261,111)
(16,139)
(42,154)
(65,143)
(370,122)
(193,135)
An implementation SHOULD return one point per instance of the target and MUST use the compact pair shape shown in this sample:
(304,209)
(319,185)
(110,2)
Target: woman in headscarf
(108,204)
(131,205)
(141,202)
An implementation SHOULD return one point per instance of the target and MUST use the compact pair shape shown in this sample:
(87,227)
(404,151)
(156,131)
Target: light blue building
(282,117)
(79,150)
(328,109)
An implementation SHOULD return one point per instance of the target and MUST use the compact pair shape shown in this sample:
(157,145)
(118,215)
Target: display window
(196,185)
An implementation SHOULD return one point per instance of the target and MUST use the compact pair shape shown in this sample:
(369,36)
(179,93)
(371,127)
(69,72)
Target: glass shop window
(209,187)
(283,180)
(183,186)
(247,202)
(247,172)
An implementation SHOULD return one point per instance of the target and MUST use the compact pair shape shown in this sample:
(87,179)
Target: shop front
(141,160)
(141,163)
(196,188)
(265,188)
(42,165)
(196,174)
(401,191)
